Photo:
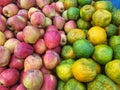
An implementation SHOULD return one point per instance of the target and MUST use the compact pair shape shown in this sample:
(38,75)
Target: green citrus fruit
(111,30)
(83,48)
(102,54)
(74,35)
(84,70)
(102,82)
(82,24)
(101,17)
(112,70)
(73,84)
(114,40)
(86,12)
(67,52)
(64,69)
(73,13)
(60,85)
(84,2)
(116,51)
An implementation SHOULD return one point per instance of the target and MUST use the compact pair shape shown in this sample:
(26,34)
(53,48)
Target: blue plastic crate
(116,3)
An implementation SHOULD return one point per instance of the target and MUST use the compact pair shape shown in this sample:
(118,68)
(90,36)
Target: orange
(97,35)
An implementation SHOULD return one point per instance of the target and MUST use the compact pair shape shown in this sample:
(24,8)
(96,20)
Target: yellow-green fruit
(84,2)
(86,12)
(112,70)
(70,3)
(2,38)
(101,18)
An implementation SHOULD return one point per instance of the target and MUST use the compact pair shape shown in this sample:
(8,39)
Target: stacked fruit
(59,45)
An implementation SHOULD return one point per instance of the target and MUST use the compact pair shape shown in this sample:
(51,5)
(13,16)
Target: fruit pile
(59,45)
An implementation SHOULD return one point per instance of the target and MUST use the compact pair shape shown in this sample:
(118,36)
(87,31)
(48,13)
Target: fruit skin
(101,17)
(8,34)
(73,84)
(16,63)
(84,70)
(32,62)
(82,3)
(31,34)
(2,38)
(52,39)
(21,87)
(69,25)
(3,88)
(70,3)
(27,3)
(63,40)
(83,48)
(32,79)
(2,23)
(75,34)
(116,51)
(19,36)
(6,77)
(102,82)
(60,85)
(47,9)
(102,54)
(16,22)
(10,10)
(5,2)
(114,40)
(37,19)
(59,6)
(59,22)
(51,28)
(115,18)
(51,59)
(42,3)
(67,52)
(11,44)
(40,46)
(22,50)
(4,56)
(63,69)
(86,12)
(111,68)
(50,82)
(95,33)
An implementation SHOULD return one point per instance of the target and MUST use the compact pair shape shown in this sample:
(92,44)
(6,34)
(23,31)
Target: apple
(31,34)
(59,6)
(10,10)
(8,34)
(32,10)
(23,12)
(40,46)
(19,36)
(21,87)
(1,9)
(51,28)
(32,62)
(51,59)
(38,19)
(42,3)
(44,70)
(2,23)
(9,77)
(52,39)
(4,56)
(3,88)
(11,44)
(5,2)
(22,50)
(32,79)
(63,40)
(2,38)
(48,22)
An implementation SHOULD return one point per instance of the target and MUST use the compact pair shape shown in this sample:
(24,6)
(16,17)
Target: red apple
(2,23)
(4,56)
(17,22)
(22,50)
(51,59)
(32,10)
(31,34)
(14,87)
(47,9)
(11,44)
(32,62)
(1,9)
(51,28)
(5,2)
(57,49)
(26,4)
(59,22)
(2,69)
(32,79)
(10,10)
(42,32)
(9,77)
(50,82)
(38,19)
(19,36)
(63,38)
(45,70)
(23,12)
(16,63)
(21,87)
(8,34)
(52,39)
(69,25)
(3,88)
(59,6)
(42,3)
